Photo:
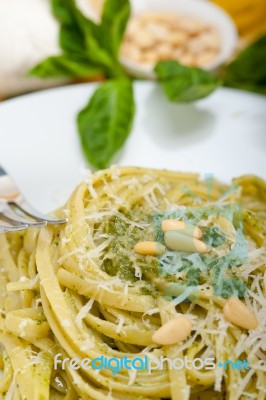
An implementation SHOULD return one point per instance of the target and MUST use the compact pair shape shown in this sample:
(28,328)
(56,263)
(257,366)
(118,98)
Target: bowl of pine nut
(196,33)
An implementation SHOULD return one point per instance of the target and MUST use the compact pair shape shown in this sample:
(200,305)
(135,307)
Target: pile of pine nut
(152,37)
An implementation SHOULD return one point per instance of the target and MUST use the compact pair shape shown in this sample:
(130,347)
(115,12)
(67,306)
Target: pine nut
(159,32)
(239,314)
(206,58)
(163,51)
(177,38)
(149,248)
(176,225)
(131,51)
(144,39)
(177,53)
(134,27)
(177,241)
(149,57)
(210,40)
(190,25)
(196,46)
(187,59)
(174,331)
(190,41)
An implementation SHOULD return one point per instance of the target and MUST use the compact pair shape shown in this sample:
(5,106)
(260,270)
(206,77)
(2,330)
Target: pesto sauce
(120,259)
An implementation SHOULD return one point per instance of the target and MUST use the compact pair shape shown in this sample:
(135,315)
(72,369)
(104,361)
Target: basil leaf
(64,65)
(103,41)
(248,70)
(192,277)
(115,16)
(247,86)
(63,11)
(214,236)
(183,84)
(94,46)
(105,123)
(71,40)
(71,37)
(95,41)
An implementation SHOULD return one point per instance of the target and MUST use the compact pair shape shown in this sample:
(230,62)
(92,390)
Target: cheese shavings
(132,376)
(121,321)
(83,312)
(11,390)
(22,327)
(66,323)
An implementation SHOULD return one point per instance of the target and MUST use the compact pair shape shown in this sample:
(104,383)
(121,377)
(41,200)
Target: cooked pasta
(82,292)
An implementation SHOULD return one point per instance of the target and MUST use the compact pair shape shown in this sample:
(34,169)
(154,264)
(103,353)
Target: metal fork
(16,213)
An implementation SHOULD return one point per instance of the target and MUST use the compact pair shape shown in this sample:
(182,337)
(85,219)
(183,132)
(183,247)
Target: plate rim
(47,91)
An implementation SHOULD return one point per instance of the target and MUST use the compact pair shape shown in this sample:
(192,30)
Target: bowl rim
(200,9)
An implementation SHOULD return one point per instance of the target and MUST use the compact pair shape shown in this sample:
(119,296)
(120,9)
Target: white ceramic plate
(223,134)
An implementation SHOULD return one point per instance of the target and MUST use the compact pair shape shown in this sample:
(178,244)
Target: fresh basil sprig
(105,123)
(87,48)
(65,65)
(182,84)
(71,38)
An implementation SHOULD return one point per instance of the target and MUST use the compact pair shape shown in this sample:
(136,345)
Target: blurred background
(29,33)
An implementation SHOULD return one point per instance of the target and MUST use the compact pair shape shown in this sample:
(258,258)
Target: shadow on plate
(172,124)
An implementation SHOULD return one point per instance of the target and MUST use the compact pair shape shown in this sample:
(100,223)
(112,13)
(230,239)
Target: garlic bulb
(28,34)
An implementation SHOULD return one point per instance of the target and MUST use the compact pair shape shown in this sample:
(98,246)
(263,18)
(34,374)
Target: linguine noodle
(80,290)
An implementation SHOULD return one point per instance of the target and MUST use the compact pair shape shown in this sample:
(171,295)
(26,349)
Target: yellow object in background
(249,15)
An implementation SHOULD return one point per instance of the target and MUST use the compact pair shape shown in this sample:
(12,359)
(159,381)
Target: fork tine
(17,209)
(14,219)
(12,226)
(25,208)
(6,228)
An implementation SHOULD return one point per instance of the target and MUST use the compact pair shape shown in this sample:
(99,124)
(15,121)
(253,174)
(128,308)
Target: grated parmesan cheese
(23,279)
(132,376)
(11,389)
(22,327)
(66,323)
(83,312)
(138,271)
(87,344)
(121,321)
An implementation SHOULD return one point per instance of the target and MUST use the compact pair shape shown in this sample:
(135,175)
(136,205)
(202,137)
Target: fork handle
(8,191)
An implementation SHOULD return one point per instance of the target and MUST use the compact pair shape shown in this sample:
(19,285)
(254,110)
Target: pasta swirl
(81,291)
